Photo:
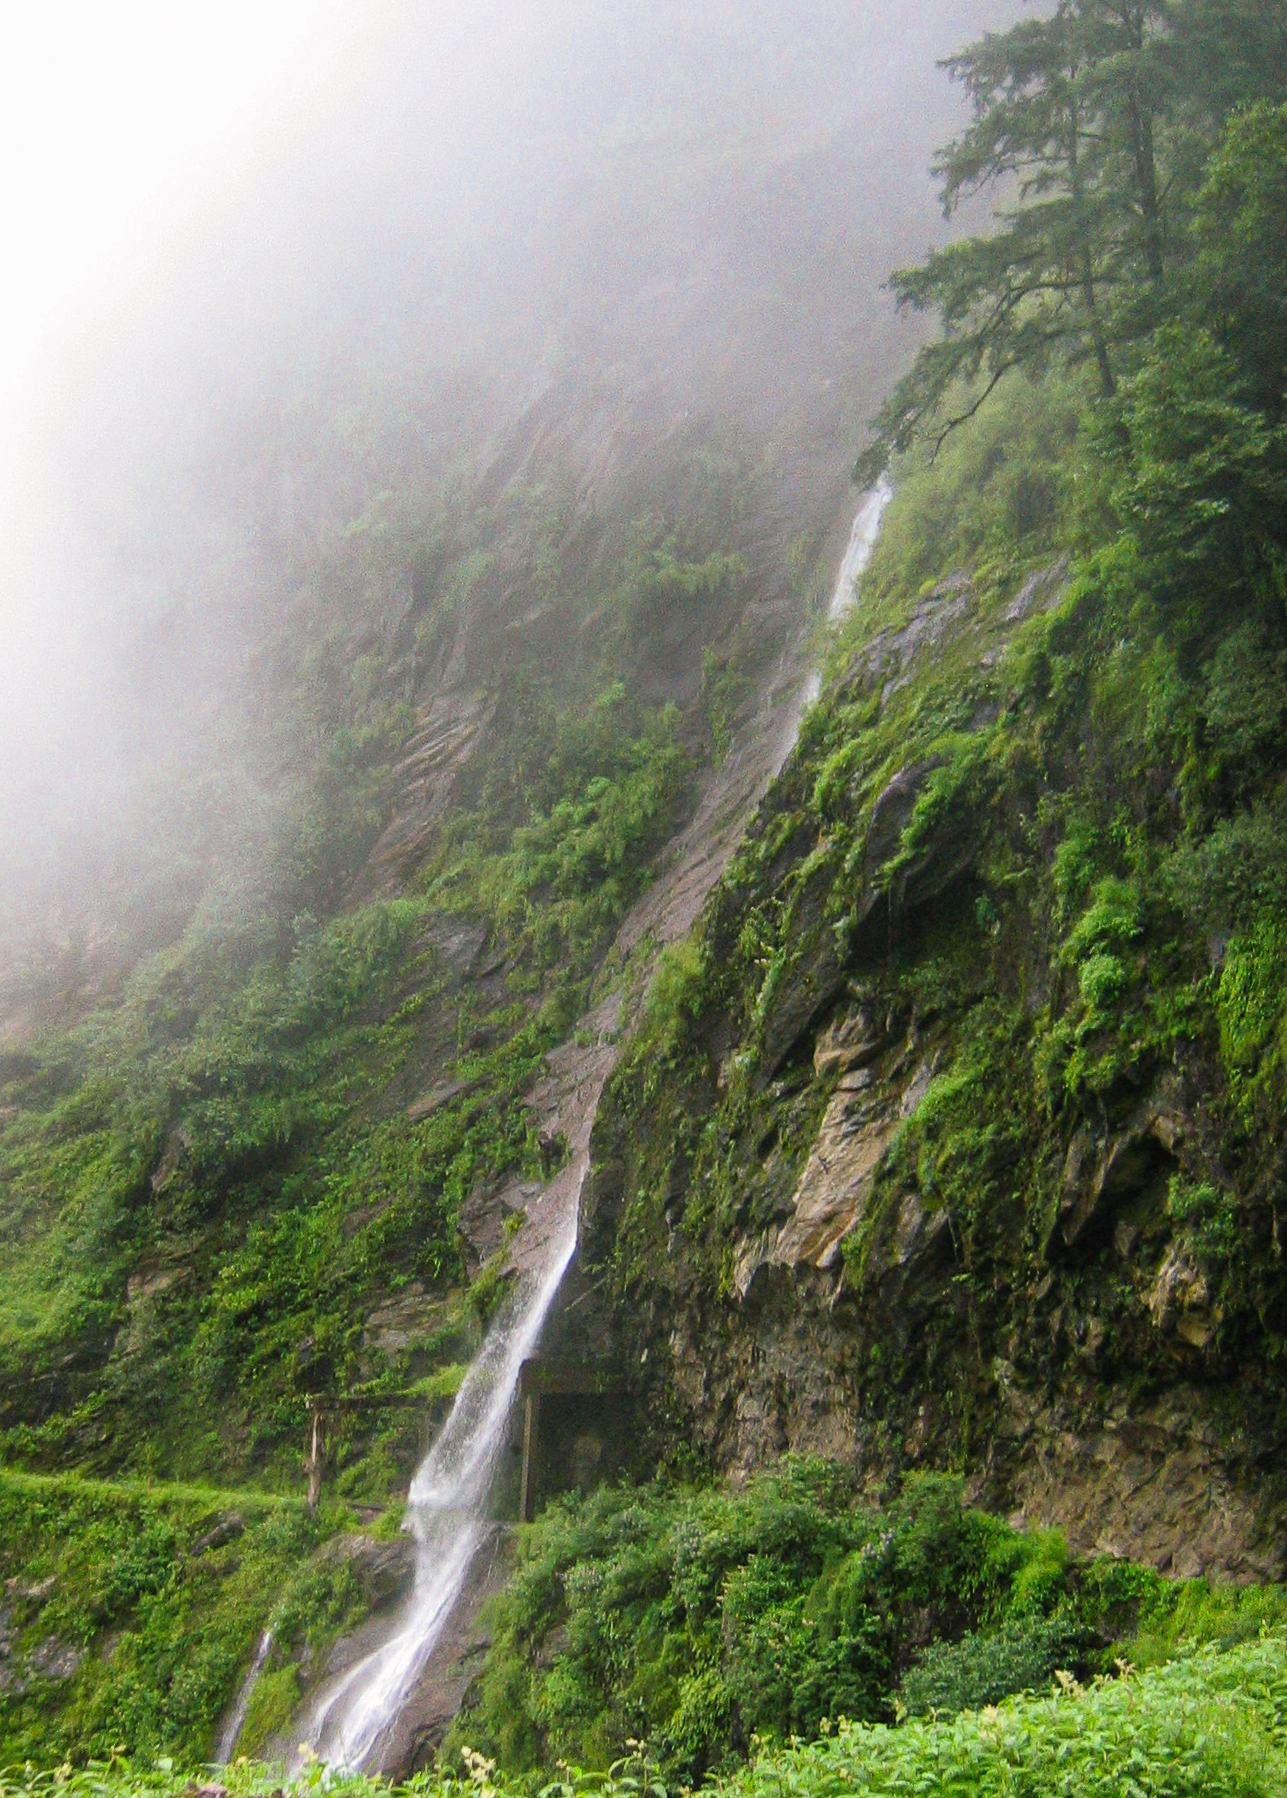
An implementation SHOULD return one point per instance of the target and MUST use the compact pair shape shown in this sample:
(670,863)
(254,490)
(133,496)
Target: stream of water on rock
(862,542)
(858,553)
(448,1516)
(448,1506)
(227,1737)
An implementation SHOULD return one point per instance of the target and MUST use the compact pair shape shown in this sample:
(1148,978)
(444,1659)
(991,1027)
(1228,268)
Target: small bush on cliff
(983,1668)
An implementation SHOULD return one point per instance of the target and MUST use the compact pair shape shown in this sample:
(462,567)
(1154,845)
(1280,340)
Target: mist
(413,230)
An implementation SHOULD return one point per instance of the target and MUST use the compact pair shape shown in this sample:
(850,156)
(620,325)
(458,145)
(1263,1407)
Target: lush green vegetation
(182,1176)
(1090,124)
(129,1612)
(216,1183)
(1076,918)
(703,1622)
(1067,953)
(209,1182)
(1209,1725)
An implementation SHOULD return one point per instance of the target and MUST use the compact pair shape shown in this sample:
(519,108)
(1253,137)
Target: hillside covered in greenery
(966,1143)
(935,1208)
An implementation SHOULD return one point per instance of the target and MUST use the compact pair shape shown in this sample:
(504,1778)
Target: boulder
(226,1530)
(384,1569)
(1180,1301)
(484,1213)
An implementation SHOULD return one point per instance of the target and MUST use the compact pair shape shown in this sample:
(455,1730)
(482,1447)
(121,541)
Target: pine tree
(1065,124)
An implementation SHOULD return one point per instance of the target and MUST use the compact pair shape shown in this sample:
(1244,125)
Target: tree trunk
(313,1464)
(1141,126)
(1094,323)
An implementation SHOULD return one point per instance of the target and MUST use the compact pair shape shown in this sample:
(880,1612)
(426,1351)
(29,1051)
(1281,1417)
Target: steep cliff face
(945,1151)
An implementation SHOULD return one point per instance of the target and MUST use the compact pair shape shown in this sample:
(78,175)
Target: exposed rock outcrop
(872,1216)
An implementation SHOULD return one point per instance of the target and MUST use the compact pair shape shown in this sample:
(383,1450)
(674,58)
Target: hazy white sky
(128,128)
(122,124)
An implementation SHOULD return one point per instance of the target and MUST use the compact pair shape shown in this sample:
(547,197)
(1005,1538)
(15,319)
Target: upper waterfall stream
(853,565)
(858,553)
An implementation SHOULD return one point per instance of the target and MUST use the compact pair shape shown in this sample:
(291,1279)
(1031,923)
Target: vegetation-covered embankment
(707,1623)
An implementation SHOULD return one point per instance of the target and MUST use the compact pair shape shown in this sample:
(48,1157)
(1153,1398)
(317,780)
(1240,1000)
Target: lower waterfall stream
(448,1517)
(226,1741)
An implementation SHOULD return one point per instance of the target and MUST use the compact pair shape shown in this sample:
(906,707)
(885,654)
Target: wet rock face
(1155,1481)
(483,1216)
(846,1329)
(383,1570)
(832,1195)
(1103,1169)
(810,980)
(863,1219)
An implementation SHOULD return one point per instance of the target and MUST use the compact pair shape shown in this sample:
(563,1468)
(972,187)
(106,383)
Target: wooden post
(531,1433)
(313,1462)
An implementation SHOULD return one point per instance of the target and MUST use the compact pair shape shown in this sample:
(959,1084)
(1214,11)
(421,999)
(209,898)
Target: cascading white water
(447,1514)
(447,1511)
(858,553)
(862,541)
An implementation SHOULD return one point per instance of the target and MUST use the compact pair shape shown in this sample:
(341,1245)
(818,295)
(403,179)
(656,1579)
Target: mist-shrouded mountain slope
(441,549)
(457,824)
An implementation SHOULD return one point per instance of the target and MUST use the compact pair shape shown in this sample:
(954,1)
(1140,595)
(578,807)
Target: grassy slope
(129,1609)
(210,1183)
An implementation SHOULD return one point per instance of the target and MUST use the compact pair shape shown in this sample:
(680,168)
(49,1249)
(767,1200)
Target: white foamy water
(858,553)
(862,541)
(237,1715)
(448,1515)
(448,1511)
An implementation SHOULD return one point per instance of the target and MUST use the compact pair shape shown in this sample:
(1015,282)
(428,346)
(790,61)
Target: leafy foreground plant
(1214,1723)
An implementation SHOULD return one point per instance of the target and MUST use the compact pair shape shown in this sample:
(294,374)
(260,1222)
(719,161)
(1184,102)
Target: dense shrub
(699,1621)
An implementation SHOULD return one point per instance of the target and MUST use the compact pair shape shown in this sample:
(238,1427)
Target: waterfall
(858,553)
(237,1715)
(862,541)
(447,1515)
